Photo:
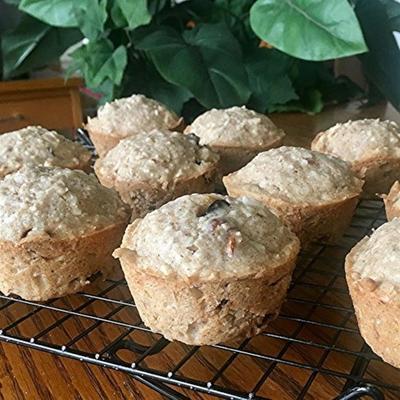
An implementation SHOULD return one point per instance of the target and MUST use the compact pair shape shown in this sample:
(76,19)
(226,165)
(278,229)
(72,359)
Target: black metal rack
(312,351)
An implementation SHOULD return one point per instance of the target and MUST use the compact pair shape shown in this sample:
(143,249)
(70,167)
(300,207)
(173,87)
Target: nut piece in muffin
(150,169)
(58,227)
(35,145)
(237,134)
(373,276)
(206,268)
(371,146)
(314,194)
(128,117)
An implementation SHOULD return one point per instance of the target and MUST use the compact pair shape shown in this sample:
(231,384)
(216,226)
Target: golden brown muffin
(206,268)
(237,134)
(127,117)
(373,276)
(150,169)
(35,145)
(371,146)
(58,227)
(314,194)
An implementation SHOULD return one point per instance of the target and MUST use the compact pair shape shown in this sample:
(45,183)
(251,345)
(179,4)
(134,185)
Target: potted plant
(31,46)
(268,54)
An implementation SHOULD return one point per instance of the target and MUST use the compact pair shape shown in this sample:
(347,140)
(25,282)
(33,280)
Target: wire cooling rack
(313,350)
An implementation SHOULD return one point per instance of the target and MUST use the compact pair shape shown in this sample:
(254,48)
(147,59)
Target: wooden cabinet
(52,103)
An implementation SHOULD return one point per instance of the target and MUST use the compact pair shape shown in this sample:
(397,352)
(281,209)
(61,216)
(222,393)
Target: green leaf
(34,44)
(155,6)
(135,12)
(269,80)
(207,61)
(192,109)
(238,8)
(100,63)
(393,13)
(116,15)
(340,89)
(173,96)
(308,76)
(113,68)
(311,103)
(108,90)
(308,29)
(142,77)
(89,58)
(382,63)
(9,17)
(60,13)
(92,23)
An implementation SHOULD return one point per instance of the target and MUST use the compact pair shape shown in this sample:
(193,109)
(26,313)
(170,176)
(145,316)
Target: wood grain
(31,374)
(52,103)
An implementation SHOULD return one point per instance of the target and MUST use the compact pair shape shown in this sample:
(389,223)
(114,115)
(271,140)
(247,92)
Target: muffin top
(131,115)
(55,202)
(377,257)
(209,236)
(392,201)
(359,141)
(297,175)
(35,145)
(235,127)
(159,157)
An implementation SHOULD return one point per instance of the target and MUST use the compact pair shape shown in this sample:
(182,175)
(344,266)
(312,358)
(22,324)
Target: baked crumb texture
(371,146)
(237,134)
(58,227)
(314,194)
(207,268)
(392,202)
(152,168)
(127,117)
(373,276)
(35,145)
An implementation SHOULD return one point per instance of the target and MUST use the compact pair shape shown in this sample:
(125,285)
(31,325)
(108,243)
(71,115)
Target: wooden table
(31,374)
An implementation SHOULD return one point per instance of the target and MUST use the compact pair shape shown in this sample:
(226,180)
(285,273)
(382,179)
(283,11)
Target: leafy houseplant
(196,54)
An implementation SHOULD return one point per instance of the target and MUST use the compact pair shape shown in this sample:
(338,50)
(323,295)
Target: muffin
(236,134)
(314,194)
(373,276)
(35,145)
(392,202)
(58,227)
(206,268)
(149,169)
(128,117)
(371,146)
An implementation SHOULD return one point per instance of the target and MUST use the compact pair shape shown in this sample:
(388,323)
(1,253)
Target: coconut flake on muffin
(128,116)
(305,188)
(207,268)
(35,145)
(237,134)
(152,168)
(371,146)
(373,275)
(58,227)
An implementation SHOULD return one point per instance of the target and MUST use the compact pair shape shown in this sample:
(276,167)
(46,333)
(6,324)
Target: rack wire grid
(313,350)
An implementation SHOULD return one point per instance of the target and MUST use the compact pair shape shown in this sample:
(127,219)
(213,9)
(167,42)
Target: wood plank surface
(32,374)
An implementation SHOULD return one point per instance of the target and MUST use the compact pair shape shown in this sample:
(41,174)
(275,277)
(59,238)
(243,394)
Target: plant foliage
(332,22)
(199,54)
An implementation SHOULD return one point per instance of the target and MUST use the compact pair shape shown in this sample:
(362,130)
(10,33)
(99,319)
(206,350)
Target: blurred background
(61,57)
